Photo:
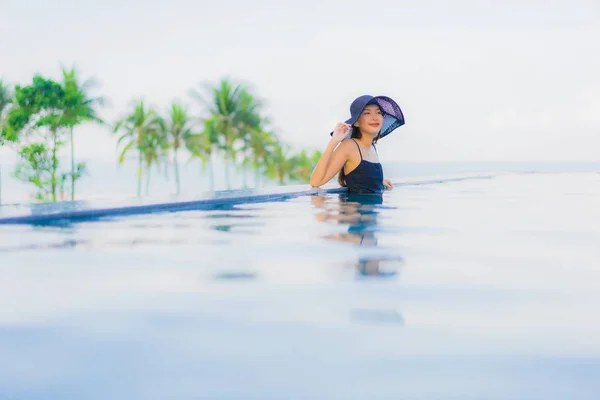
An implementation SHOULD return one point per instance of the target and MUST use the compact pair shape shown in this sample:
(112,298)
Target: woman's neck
(365,141)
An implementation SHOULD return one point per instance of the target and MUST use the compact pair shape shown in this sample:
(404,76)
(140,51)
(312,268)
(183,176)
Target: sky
(477,80)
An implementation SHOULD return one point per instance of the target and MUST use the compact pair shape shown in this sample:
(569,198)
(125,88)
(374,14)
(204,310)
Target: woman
(351,150)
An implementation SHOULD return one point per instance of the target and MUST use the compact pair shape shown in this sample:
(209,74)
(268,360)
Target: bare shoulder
(345,145)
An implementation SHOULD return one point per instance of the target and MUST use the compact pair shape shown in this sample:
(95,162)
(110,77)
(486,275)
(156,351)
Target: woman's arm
(331,162)
(333,159)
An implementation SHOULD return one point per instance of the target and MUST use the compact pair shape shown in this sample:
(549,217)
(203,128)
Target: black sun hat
(392,114)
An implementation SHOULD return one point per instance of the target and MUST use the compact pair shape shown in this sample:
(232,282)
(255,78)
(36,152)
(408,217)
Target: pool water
(473,289)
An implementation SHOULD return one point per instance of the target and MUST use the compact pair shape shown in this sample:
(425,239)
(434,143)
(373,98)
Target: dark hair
(356,134)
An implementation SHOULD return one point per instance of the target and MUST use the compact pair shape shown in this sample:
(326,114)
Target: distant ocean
(109,181)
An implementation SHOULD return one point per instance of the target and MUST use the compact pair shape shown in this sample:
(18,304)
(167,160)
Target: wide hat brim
(393,117)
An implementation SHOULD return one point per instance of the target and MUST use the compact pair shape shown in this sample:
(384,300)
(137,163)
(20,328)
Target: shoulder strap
(360,152)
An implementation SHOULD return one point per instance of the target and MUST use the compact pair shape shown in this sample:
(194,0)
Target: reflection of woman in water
(351,151)
(360,212)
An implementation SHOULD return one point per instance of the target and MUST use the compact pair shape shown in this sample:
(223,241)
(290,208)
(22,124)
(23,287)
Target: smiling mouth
(374,125)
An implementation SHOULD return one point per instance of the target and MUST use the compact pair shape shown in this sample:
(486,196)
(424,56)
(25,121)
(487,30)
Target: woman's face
(371,120)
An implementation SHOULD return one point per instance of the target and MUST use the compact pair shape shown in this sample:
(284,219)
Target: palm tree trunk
(176,166)
(228,155)
(244,177)
(72,167)
(0,184)
(256,178)
(227,173)
(139,175)
(53,181)
(148,181)
(211,177)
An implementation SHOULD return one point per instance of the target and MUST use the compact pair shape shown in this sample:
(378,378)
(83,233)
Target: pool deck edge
(48,213)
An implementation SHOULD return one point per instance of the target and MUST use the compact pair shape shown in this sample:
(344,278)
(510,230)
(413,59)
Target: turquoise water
(475,289)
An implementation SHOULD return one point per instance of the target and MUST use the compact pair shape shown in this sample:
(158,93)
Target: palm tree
(79,107)
(202,145)
(155,147)
(134,128)
(5,102)
(259,146)
(248,125)
(300,167)
(279,165)
(177,129)
(234,113)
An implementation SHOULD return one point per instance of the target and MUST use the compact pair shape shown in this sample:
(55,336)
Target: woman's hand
(388,184)
(340,132)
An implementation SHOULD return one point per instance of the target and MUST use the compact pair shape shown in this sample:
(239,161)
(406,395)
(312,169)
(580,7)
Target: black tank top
(366,178)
